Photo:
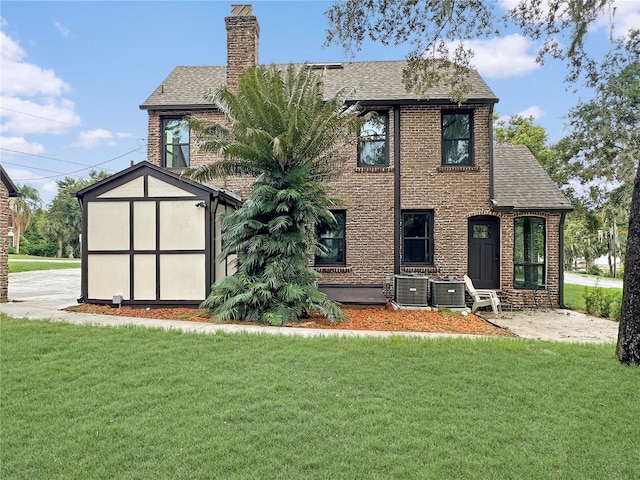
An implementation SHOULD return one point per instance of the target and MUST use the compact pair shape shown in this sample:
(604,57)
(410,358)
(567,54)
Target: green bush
(616,307)
(592,299)
(43,248)
(595,270)
(11,250)
(605,304)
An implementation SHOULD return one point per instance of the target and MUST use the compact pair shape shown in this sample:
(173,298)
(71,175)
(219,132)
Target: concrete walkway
(44,294)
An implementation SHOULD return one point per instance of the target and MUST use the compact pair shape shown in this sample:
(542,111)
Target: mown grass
(85,402)
(15,267)
(575,297)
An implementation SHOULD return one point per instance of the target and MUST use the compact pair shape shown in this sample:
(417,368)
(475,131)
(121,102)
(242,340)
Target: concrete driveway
(44,294)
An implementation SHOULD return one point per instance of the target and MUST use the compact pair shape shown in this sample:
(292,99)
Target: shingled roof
(368,82)
(520,182)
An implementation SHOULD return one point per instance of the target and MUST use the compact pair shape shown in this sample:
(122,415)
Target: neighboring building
(151,237)
(424,191)
(7,190)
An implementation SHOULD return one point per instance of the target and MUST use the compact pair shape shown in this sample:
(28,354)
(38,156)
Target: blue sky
(73,74)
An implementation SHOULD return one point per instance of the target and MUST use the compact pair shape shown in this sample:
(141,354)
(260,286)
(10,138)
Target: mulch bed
(379,319)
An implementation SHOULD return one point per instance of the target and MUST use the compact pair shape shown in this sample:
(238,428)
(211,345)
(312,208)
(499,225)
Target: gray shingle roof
(520,182)
(362,81)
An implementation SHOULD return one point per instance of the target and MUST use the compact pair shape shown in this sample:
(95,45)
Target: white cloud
(29,117)
(20,144)
(19,77)
(623,15)
(95,138)
(503,57)
(21,176)
(62,29)
(533,111)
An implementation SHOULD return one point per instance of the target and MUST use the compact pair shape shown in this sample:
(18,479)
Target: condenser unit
(447,293)
(411,291)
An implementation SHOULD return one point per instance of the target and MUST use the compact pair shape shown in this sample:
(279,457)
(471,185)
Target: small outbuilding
(151,237)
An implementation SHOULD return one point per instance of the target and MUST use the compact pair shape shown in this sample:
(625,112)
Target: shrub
(592,299)
(11,250)
(604,306)
(595,270)
(616,306)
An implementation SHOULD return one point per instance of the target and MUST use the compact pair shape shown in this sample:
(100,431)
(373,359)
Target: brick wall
(454,194)
(4,231)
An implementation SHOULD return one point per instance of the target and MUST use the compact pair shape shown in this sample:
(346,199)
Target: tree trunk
(628,349)
(60,241)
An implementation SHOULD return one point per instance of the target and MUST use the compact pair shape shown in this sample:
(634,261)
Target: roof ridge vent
(325,65)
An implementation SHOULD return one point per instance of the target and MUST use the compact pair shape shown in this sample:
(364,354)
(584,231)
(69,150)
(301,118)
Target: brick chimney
(242,42)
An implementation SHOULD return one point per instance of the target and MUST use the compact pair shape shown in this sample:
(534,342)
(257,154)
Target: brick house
(7,190)
(425,193)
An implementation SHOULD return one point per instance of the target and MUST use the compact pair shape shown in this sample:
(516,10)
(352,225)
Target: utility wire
(75,171)
(48,119)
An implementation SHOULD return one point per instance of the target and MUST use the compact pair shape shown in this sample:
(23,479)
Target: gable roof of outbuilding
(367,82)
(8,183)
(148,168)
(520,182)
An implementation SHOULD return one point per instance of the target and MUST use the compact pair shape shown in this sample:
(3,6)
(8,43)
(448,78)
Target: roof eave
(202,106)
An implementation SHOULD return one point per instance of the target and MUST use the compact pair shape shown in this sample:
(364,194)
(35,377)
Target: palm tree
(282,132)
(21,209)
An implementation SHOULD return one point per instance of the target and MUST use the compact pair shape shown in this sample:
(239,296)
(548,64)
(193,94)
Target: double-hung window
(373,141)
(333,239)
(417,237)
(529,252)
(175,142)
(457,137)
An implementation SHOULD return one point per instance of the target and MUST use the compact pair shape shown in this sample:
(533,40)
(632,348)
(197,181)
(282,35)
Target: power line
(75,171)
(47,119)
(42,156)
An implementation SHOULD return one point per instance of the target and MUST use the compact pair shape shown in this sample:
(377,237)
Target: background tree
(64,217)
(282,132)
(22,209)
(563,26)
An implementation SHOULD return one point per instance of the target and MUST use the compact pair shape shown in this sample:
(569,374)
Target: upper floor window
(417,237)
(175,143)
(457,137)
(373,142)
(334,241)
(529,252)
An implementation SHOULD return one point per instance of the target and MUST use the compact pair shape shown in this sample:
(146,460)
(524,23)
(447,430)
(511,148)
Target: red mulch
(381,319)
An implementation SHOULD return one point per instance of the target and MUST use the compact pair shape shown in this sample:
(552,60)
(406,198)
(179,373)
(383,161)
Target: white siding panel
(134,188)
(108,275)
(108,225)
(158,188)
(182,225)
(144,225)
(182,277)
(144,277)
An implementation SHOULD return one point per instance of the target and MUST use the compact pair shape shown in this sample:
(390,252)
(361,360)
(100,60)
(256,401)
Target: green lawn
(84,402)
(574,297)
(27,263)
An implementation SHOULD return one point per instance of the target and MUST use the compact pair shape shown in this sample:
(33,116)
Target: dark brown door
(484,252)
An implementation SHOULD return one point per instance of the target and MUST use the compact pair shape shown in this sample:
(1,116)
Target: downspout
(396,190)
(561,262)
(490,127)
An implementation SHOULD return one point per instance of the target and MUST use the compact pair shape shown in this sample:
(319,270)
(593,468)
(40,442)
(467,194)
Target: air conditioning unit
(447,293)
(411,291)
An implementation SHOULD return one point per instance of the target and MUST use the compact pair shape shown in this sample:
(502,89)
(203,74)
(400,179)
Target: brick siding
(4,232)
